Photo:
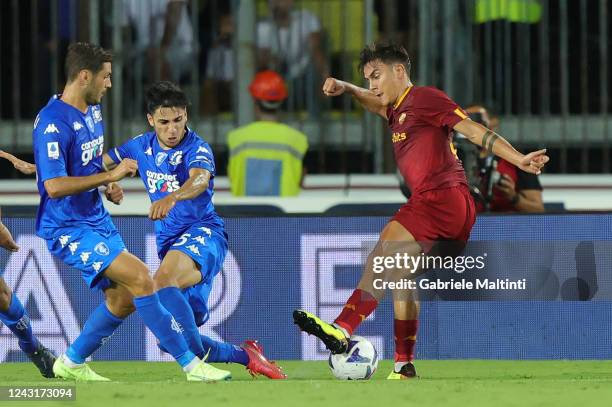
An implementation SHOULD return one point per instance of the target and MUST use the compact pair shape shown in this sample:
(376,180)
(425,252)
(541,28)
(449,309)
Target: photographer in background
(503,187)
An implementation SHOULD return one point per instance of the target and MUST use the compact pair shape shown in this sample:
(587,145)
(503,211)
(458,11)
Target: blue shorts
(207,247)
(89,250)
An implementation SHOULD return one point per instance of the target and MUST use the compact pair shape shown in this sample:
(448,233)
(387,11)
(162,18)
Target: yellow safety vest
(265,159)
(516,11)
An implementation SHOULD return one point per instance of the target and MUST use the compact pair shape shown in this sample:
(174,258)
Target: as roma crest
(402,118)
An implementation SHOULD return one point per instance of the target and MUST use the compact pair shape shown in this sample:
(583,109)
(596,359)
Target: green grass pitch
(441,383)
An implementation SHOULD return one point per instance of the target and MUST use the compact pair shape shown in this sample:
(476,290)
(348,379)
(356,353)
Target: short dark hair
(387,53)
(165,94)
(83,55)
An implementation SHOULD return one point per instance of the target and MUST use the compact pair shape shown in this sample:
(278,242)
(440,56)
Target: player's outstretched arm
(64,186)
(496,144)
(367,99)
(197,183)
(22,166)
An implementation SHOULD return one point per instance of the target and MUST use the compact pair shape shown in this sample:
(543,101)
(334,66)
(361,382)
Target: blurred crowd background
(541,67)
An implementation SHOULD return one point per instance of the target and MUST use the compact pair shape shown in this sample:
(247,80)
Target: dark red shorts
(439,214)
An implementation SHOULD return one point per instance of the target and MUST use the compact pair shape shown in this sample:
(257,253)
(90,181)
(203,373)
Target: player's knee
(141,283)
(164,278)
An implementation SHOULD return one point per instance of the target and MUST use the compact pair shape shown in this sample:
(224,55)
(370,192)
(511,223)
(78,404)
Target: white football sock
(196,361)
(69,362)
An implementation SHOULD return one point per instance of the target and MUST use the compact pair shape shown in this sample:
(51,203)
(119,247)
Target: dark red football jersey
(422,120)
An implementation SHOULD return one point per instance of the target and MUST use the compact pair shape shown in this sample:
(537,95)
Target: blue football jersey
(165,171)
(68,142)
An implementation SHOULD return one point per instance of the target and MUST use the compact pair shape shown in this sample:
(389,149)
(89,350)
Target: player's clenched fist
(160,209)
(534,162)
(127,167)
(114,193)
(333,87)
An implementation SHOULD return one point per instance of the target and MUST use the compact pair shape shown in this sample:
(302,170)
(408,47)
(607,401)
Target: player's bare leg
(393,239)
(119,304)
(132,281)
(14,316)
(5,295)
(119,301)
(405,304)
(129,271)
(179,271)
(335,336)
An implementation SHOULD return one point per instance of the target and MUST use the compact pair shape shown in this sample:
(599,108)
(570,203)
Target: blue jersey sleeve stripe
(113,153)
(202,164)
(195,161)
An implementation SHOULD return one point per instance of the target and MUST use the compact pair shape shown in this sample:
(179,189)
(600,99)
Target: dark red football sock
(359,305)
(405,339)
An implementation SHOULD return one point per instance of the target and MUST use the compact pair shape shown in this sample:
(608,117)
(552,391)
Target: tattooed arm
(496,144)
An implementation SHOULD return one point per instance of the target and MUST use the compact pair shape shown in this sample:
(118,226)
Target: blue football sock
(223,352)
(16,319)
(172,299)
(99,326)
(164,327)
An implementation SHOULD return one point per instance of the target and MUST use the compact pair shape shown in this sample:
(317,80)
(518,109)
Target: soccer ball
(358,363)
